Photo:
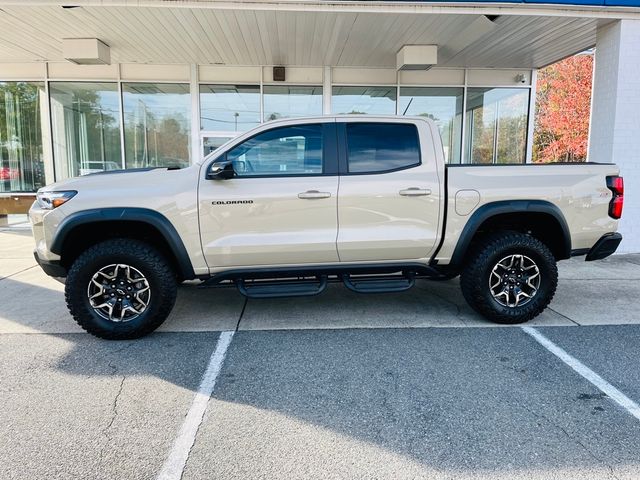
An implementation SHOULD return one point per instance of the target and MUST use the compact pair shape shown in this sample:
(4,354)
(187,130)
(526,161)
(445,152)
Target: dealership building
(89,85)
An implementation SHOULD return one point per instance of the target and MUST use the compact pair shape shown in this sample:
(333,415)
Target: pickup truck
(295,204)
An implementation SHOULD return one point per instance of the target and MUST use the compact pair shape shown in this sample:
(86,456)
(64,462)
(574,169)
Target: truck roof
(347,117)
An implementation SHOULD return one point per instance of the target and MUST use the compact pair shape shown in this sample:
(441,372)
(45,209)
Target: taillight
(616,185)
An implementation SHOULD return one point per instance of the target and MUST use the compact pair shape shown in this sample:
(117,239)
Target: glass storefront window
(87,126)
(157,124)
(283,101)
(444,107)
(359,100)
(21,162)
(496,125)
(211,144)
(85,120)
(229,108)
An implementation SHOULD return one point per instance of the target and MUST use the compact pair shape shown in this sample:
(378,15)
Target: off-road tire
(143,257)
(485,254)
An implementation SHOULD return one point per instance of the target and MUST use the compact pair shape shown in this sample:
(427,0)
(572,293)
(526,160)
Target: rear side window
(381,147)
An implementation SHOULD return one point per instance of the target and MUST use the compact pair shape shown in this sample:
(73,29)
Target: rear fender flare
(485,212)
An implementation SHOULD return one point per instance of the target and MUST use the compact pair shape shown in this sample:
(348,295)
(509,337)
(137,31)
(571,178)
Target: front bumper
(604,247)
(53,268)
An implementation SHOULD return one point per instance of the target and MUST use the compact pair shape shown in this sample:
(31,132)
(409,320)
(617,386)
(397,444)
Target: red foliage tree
(563,109)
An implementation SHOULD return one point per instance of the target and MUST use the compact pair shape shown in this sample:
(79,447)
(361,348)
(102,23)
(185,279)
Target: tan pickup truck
(295,204)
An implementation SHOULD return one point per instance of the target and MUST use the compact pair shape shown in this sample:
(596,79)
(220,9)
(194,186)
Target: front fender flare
(144,215)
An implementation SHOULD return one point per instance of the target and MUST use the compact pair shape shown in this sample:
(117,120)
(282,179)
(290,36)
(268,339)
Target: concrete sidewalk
(594,293)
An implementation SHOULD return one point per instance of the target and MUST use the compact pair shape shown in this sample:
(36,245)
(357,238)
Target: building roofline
(579,8)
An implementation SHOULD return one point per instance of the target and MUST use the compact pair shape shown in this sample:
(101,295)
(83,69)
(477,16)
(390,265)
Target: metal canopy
(244,36)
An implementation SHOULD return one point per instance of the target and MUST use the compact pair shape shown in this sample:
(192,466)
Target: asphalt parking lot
(410,385)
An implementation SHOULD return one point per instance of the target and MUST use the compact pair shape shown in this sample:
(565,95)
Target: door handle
(415,192)
(313,194)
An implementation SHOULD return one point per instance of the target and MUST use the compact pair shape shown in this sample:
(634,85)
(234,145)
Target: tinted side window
(379,147)
(293,150)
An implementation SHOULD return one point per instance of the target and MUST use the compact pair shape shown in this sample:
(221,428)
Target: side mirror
(222,170)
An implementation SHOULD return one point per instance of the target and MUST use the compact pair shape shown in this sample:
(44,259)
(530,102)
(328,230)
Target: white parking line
(177,459)
(605,387)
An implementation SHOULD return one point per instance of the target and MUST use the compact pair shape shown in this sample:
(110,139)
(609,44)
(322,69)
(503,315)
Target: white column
(45,128)
(123,150)
(194,88)
(531,119)
(615,116)
(326,91)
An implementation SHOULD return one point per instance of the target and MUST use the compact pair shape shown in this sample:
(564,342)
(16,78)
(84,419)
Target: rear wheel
(510,277)
(120,289)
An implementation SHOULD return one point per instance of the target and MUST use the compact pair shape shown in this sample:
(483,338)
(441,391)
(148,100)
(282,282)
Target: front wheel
(510,277)
(120,289)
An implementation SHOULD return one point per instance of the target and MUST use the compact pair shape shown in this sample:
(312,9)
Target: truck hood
(108,179)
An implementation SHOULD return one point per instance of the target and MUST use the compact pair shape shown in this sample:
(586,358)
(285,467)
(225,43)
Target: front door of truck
(280,205)
(389,201)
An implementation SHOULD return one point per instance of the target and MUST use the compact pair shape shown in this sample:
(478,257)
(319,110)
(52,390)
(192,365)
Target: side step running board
(282,288)
(300,287)
(379,284)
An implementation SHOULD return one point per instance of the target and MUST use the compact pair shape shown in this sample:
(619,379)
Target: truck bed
(578,190)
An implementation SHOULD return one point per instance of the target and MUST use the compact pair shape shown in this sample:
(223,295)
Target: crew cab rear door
(280,207)
(389,200)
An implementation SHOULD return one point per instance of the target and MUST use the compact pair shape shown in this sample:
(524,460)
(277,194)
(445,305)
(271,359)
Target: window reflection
(211,144)
(156,124)
(280,151)
(364,100)
(444,107)
(496,125)
(85,124)
(21,163)
(379,147)
(229,108)
(281,101)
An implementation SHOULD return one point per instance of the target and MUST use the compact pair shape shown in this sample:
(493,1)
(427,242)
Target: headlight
(51,200)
